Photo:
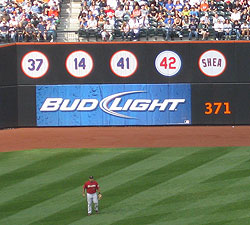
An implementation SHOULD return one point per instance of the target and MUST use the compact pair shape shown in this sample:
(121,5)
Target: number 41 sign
(123,63)
(168,63)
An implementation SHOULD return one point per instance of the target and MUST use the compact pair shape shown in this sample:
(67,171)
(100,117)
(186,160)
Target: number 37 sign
(35,64)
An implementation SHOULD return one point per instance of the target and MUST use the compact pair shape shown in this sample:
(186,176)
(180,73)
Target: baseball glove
(99,196)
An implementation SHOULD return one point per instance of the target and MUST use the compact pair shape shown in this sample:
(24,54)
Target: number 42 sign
(168,63)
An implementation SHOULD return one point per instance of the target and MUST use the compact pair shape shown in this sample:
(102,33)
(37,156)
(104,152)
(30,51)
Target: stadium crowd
(29,20)
(132,19)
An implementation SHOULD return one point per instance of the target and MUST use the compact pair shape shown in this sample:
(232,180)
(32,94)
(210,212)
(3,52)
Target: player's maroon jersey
(91,187)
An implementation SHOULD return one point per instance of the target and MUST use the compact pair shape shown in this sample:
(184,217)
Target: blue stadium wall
(125,84)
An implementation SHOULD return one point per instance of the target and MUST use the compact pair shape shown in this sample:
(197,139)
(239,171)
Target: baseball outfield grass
(164,186)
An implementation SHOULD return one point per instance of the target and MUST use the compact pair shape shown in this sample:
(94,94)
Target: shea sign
(212,63)
(103,105)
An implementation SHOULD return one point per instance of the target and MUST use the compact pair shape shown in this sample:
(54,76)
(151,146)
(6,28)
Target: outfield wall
(125,84)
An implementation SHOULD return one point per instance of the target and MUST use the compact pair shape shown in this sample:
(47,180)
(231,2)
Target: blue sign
(113,104)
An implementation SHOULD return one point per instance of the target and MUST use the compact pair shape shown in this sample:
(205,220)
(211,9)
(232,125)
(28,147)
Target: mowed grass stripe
(60,173)
(57,188)
(225,204)
(52,203)
(12,161)
(221,217)
(183,203)
(238,221)
(163,208)
(194,203)
(74,197)
(204,210)
(159,183)
(39,167)
(117,178)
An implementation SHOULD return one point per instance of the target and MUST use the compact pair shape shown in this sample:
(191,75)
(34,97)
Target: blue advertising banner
(113,104)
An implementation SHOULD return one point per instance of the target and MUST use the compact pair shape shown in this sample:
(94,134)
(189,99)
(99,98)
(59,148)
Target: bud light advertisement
(113,105)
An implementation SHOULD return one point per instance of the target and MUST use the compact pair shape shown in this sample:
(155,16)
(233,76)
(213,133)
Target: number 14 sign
(168,63)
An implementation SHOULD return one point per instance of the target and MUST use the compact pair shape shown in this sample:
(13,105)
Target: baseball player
(91,187)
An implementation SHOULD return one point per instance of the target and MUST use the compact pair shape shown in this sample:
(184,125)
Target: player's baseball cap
(91,177)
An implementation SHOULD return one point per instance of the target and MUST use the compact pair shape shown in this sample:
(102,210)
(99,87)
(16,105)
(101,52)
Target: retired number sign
(35,64)
(79,64)
(123,63)
(168,63)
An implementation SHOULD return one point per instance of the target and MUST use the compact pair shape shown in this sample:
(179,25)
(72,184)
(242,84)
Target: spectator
(119,13)
(136,12)
(20,32)
(144,11)
(204,6)
(193,30)
(212,6)
(169,30)
(235,15)
(182,15)
(244,16)
(193,12)
(108,30)
(41,31)
(227,28)
(205,19)
(185,22)
(178,6)
(13,21)
(134,28)
(178,27)
(185,12)
(203,30)
(51,31)
(237,6)
(12,33)
(127,13)
(29,33)
(162,10)
(169,7)
(228,6)
(36,9)
(169,17)
(153,12)
(110,13)
(101,21)
(218,28)
(217,17)
(244,30)
(236,29)
(125,29)
(92,24)
(160,20)
(4,30)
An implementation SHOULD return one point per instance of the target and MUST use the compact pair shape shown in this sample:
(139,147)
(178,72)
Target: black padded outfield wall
(131,63)
(116,84)
(220,104)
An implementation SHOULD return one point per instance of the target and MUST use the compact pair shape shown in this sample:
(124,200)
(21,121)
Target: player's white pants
(92,198)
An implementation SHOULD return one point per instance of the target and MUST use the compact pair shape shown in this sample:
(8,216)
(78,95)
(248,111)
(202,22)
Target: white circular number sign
(123,63)
(79,64)
(212,63)
(168,63)
(35,64)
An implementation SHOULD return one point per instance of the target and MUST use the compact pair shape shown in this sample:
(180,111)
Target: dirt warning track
(117,137)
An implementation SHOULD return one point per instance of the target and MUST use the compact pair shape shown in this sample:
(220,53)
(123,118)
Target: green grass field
(164,186)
